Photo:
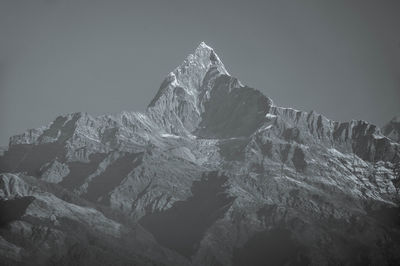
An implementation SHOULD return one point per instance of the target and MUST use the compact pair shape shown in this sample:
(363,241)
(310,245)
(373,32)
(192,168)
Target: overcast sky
(340,58)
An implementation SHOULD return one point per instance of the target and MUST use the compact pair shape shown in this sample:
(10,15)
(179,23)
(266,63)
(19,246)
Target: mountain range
(212,173)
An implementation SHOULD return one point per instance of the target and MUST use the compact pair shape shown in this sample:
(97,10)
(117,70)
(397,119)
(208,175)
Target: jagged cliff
(212,173)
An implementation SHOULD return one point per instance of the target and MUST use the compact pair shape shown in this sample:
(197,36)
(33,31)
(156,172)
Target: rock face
(213,173)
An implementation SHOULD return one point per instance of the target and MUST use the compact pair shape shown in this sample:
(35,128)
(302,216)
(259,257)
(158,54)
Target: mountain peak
(203,58)
(203,45)
(190,74)
(205,50)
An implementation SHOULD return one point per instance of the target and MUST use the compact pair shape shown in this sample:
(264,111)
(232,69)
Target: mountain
(212,173)
(392,129)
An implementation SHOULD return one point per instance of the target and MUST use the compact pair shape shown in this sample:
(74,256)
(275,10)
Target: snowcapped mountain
(212,173)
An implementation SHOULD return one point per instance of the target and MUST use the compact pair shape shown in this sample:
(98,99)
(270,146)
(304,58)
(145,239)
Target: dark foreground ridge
(275,247)
(13,209)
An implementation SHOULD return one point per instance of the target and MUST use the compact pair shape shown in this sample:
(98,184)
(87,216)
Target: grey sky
(340,58)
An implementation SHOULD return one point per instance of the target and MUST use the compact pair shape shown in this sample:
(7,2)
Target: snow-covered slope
(212,173)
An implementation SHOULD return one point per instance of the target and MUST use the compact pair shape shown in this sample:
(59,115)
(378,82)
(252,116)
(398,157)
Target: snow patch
(335,152)
(266,128)
(375,136)
(166,135)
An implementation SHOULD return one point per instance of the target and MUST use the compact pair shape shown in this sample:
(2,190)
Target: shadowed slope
(81,170)
(275,248)
(232,110)
(13,209)
(182,227)
(112,176)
